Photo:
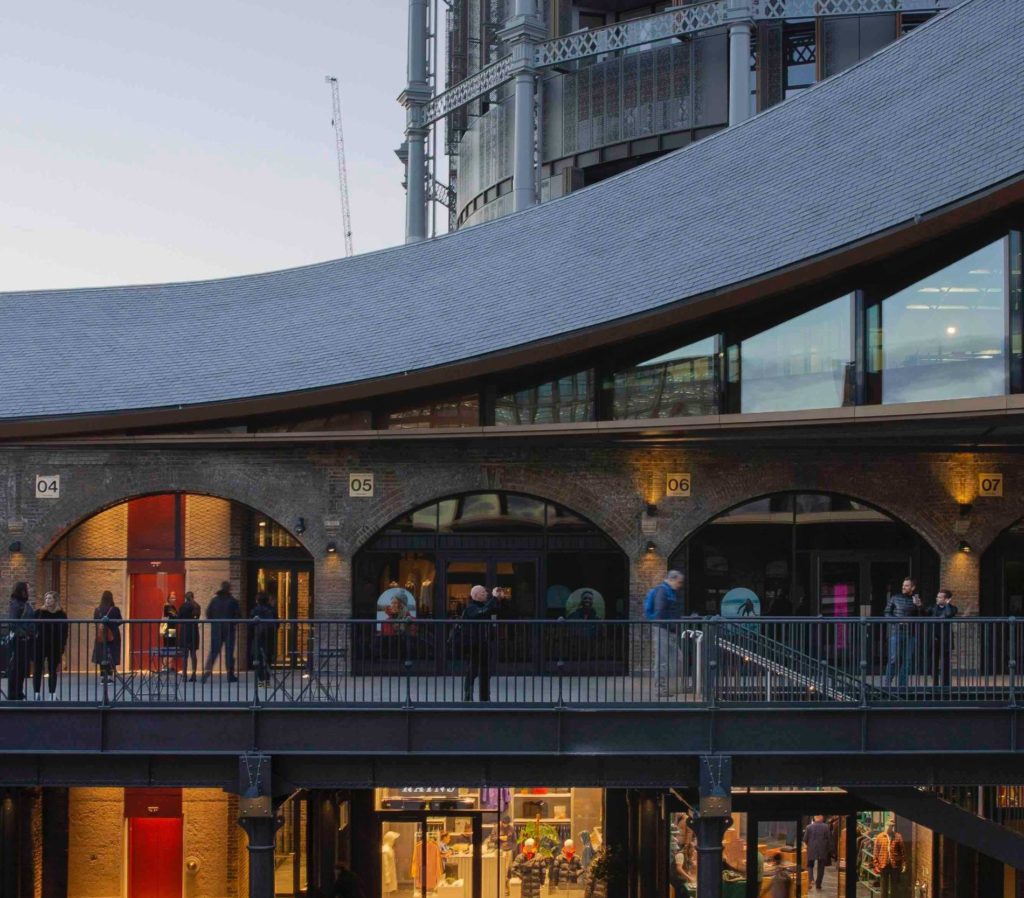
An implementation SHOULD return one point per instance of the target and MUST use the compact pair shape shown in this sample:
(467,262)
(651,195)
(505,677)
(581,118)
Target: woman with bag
(50,642)
(106,652)
(187,633)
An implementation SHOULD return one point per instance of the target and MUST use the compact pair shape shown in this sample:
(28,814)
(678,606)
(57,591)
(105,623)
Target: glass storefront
(488,843)
(677,383)
(868,854)
(567,400)
(804,554)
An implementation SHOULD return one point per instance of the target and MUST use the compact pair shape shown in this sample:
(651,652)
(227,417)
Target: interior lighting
(650,547)
(15,547)
(965,547)
(263,523)
(951,330)
(332,548)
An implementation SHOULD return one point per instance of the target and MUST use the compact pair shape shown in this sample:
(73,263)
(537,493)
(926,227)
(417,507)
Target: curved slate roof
(931,119)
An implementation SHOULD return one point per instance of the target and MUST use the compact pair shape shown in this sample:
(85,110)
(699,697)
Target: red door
(149,593)
(154,857)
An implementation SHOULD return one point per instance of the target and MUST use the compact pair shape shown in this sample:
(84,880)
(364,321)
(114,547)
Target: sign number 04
(47,486)
(360,486)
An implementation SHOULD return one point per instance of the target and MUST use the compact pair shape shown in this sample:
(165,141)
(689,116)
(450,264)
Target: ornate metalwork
(483,82)
(622,35)
(798,9)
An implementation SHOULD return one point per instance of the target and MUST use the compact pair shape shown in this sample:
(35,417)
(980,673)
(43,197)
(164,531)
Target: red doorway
(148,595)
(155,846)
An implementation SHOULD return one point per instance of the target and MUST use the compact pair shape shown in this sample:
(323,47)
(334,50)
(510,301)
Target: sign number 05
(360,486)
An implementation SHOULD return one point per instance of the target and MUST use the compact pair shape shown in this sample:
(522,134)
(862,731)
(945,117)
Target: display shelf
(542,819)
(542,794)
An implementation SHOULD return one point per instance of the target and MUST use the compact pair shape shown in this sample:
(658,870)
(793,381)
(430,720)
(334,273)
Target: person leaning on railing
(18,640)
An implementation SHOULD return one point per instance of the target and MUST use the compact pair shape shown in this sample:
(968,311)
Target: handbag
(104,633)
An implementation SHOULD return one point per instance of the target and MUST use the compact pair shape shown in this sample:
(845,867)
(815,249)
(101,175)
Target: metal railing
(419,663)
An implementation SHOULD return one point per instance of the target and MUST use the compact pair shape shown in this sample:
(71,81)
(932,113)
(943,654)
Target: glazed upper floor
(799,261)
(621,83)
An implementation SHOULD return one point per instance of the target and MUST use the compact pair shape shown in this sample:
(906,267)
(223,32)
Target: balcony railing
(417,663)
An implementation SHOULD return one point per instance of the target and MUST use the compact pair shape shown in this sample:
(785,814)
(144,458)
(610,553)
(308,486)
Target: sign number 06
(678,484)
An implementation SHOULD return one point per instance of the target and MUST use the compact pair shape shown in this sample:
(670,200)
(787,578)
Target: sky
(145,141)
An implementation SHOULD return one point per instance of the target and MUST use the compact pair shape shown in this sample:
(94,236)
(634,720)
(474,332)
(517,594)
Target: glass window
(801,56)
(945,336)
(848,39)
(678,383)
(805,362)
(268,534)
(567,400)
(464,412)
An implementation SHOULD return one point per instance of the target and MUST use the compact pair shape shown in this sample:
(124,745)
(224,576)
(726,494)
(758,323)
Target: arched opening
(804,554)
(543,555)
(1002,574)
(149,550)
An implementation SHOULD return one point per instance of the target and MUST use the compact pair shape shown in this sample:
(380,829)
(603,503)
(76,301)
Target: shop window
(566,400)
(848,39)
(945,336)
(675,384)
(268,534)
(800,56)
(806,362)
(462,412)
(804,554)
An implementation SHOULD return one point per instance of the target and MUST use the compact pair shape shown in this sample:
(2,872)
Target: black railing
(696,663)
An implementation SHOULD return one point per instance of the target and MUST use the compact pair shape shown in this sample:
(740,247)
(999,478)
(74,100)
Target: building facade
(785,361)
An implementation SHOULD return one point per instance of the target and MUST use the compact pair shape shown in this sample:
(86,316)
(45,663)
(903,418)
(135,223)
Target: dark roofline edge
(926,226)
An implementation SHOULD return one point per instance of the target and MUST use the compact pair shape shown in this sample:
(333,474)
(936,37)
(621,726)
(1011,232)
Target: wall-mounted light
(15,547)
(300,526)
(964,547)
(652,509)
(332,548)
(650,548)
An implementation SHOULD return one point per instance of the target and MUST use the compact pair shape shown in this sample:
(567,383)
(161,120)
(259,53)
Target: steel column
(522,32)
(739,60)
(414,98)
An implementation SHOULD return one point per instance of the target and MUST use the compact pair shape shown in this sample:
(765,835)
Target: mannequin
(529,867)
(388,867)
(566,866)
(888,859)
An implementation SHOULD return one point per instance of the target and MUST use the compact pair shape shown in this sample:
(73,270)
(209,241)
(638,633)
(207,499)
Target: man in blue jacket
(665,606)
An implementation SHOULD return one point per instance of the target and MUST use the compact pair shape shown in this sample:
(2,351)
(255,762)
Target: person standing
(19,634)
(223,612)
(262,637)
(476,641)
(188,633)
(902,607)
(820,850)
(663,605)
(888,859)
(942,635)
(50,643)
(106,651)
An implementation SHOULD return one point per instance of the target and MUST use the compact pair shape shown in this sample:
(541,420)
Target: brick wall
(95,843)
(207,841)
(609,484)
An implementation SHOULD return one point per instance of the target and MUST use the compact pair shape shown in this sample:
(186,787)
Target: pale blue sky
(145,141)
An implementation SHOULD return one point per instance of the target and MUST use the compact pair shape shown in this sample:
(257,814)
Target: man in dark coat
(18,636)
(188,633)
(819,849)
(223,612)
(475,639)
(942,635)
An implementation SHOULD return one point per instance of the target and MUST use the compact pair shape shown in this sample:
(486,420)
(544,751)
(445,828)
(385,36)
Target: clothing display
(566,868)
(888,852)
(388,867)
(435,865)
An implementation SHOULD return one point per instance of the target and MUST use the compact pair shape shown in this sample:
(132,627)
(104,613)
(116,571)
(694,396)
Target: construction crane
(339,140)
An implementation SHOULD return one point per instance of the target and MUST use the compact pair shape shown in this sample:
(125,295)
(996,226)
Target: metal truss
(622,35)
(798,9)
(483,82)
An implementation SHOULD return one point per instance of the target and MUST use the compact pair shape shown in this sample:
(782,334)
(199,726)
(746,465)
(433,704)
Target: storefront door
(433,853)
(290,587)
(154,857)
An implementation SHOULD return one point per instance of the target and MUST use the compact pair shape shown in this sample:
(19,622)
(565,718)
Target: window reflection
(803,363)
(681,382)
(945,336)
(567,400)
(464,412)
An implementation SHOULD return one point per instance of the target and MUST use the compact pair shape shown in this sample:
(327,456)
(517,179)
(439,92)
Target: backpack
(650,609)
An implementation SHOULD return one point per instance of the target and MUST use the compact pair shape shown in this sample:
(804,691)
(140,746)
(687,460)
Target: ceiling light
(951,330)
